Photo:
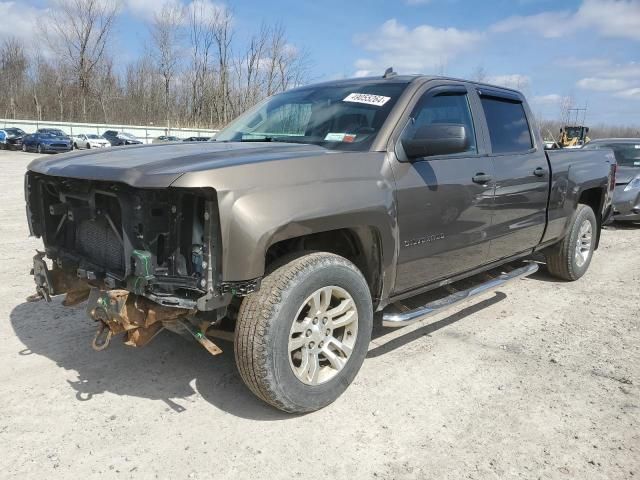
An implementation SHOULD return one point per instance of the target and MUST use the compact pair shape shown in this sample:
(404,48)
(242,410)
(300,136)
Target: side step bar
(402,319)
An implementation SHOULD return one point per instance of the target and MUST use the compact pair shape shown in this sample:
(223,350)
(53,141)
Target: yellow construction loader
(573,136)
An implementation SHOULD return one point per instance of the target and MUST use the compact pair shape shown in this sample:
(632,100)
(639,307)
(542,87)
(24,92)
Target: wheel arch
(594,198)
(361,245)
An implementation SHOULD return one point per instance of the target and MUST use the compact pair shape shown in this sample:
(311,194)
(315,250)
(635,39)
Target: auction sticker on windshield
(340,137)
(377,100)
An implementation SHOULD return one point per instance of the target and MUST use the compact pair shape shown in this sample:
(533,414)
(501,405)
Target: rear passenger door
(521,175)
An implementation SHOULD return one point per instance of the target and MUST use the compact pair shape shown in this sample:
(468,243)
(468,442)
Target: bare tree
(165,33)
(202,24)
(79,31)
(249,68)
(13,70)
(223,35)
(479,74)
(285,66)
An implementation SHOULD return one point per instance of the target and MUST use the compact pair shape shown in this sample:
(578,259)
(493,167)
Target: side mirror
(437,139)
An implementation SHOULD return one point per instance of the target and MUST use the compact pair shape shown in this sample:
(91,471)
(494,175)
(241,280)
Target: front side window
(437,121)
(508,125)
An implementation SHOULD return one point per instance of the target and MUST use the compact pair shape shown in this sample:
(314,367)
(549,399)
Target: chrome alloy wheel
(583,243)
(323,335)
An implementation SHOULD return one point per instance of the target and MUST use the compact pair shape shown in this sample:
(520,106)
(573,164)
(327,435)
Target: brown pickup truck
(309,213)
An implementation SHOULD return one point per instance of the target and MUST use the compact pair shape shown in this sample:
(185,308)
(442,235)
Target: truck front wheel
(570,259)
(301,339)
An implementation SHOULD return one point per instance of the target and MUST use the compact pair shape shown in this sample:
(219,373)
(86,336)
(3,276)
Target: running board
(401,319)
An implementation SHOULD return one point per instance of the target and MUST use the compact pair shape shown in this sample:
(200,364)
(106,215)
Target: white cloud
(22,22)
(594,63)
(550,99)
(413,50)
(603,84)
(516,81)
(547,24)
(146,9)
(629,70)
(610,18)
(613,18)
(633,93)
(621,80)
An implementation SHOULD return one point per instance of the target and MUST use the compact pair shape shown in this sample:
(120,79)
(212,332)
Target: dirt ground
(538,380)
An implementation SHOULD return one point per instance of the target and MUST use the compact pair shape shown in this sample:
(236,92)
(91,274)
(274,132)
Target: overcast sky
(588,50)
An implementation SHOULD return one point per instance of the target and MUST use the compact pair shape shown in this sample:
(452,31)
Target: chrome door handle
(540,172)
(481,178)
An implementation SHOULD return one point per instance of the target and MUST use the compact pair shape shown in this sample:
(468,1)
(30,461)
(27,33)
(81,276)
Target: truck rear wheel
(570,259)
(301,339)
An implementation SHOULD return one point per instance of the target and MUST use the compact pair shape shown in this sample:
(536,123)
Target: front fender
(263,203)
(260,220)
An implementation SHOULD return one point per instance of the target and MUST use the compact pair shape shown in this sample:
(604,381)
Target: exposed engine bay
(144,258)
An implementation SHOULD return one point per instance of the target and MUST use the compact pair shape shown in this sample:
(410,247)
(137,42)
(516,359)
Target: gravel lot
(538,380)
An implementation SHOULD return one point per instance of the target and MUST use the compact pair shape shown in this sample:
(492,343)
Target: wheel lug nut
(315,321)
(328,332)
(308,333)
(321,344)
(311,344)
(325,320)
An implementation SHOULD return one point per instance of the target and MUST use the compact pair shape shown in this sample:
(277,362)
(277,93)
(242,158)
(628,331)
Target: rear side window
(508,125)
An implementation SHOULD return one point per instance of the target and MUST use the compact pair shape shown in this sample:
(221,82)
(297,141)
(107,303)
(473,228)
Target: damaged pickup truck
(307,214)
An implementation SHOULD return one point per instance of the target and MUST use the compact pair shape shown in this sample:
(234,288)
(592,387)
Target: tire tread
(256,316)
(560,256)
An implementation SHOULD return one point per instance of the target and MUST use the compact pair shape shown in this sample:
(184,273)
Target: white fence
(145,133)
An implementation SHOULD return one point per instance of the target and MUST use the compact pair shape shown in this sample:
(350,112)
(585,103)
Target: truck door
(443,200)
(521,175)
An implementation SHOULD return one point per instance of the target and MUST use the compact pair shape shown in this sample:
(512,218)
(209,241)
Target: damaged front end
(145,259)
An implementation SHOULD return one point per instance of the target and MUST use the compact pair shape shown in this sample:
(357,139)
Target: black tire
(265,320)
(561,258)
(75,146)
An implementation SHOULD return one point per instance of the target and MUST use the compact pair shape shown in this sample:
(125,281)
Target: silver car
(626,196)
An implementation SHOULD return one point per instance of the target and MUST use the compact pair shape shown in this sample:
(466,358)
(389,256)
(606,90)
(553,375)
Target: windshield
(14,131)
(54,132)
(343,117)
(93,136)
(627,154)
(574,132)
(126,135)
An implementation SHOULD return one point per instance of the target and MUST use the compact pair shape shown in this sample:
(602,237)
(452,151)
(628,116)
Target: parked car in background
(626,196)
(53,131)
(46,143)
(116,138)
(166,139)
(90,140)
(11,138)
(197,139)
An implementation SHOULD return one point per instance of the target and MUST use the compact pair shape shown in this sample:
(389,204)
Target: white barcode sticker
(377,100)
